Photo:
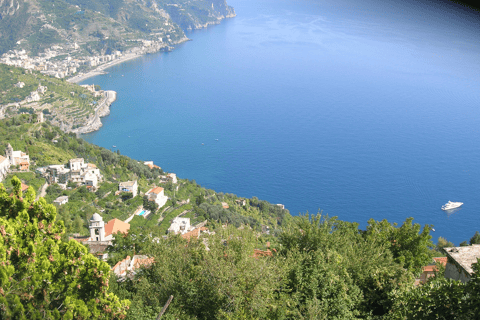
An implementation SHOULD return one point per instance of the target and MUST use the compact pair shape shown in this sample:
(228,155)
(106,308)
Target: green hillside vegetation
(48,145)
(43,277)
(63,101)
(316,267)
(101,27)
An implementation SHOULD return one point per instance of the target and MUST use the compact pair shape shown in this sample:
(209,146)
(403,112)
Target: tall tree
(42,277)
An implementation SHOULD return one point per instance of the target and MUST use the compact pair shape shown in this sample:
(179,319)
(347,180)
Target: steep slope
(93,26)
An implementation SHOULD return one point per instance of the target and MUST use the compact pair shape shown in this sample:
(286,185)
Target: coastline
(110,96)
(127,57)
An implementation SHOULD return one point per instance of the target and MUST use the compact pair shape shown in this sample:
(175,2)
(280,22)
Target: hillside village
(148,224)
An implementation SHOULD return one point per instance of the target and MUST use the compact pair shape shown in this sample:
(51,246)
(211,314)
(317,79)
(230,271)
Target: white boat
(451,205)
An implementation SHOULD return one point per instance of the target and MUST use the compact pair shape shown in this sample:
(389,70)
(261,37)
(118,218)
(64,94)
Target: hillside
(48,145)
(94,27)
(66,105)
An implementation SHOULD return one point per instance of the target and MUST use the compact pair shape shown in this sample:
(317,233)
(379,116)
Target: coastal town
(61,61)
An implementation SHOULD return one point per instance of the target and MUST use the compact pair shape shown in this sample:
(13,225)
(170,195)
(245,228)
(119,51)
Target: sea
(355,109)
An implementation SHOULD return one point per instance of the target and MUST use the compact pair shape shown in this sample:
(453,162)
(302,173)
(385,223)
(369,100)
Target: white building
(17,158)
(76,164)
(180,225)
(129,186)
(172,177)
(97,228)
(61,200)
(157,194)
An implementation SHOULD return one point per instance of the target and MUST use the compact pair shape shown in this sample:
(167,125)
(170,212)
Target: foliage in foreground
(320,268)
(42,277)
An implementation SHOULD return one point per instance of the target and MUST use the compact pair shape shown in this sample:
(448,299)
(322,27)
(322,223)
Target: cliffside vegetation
(100,27)
(258,262)
(63,103)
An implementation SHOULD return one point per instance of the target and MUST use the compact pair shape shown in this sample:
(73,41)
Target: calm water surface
(362,109)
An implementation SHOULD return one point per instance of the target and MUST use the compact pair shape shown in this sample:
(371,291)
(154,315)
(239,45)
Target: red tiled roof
(150,165)
(143,262)
(24,187)
(442,260)
(2,158)
(431,268)
(115,225)
(194,233)
(260,253)
(156,190)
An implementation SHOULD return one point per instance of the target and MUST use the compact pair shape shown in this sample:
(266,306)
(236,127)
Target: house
(151,165)
(61,200)
(17,158)
(24,187)
(76,164)
(57,173)
(115,226)
(100,232)
(129,186)
(179,225)
(195,233)
(172,177)
(431,269)
(129,266)
(460,260)
(91,180)
(157,194)
(241,202)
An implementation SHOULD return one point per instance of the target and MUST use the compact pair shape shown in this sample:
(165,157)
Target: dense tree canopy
(40,275)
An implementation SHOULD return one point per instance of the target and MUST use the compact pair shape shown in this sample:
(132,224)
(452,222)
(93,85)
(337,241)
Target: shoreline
(110,95)
(127,57)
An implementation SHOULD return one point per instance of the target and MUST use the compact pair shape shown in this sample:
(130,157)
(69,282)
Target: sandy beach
(101,69)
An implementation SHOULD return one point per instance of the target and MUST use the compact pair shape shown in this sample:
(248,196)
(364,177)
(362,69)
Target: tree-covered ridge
(311,266)
(42,277)
(48,145)
(100,27)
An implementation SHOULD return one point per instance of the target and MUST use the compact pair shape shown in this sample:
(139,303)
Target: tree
(475,239)
(409,245)
(43,277)
(443,243)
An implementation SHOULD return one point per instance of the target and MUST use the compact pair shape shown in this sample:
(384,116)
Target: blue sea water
(362,109)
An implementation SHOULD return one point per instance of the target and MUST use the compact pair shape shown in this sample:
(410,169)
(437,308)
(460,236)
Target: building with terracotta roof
(460,261)
(17,158)
(24,187)
(99,231)
(431,269)
(130,266)
(115,226)
(195,233)
(157,194)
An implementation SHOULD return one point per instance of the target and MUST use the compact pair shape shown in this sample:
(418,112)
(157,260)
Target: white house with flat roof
(129,186)
(179,225)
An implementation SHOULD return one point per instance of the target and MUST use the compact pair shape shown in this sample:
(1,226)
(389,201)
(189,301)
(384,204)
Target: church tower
(9,154)
(97,228)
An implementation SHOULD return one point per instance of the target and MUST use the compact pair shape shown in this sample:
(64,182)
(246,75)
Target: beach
(101,69)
